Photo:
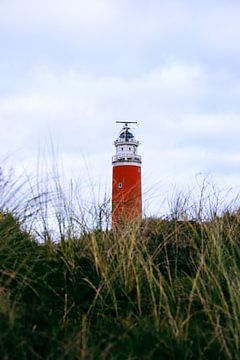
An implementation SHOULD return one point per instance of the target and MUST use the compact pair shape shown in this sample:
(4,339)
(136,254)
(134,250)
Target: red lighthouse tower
(126,184)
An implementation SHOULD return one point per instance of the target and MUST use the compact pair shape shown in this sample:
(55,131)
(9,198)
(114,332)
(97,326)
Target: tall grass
(163,289)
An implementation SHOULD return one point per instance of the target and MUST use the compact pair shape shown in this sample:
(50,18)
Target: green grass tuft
(166,289)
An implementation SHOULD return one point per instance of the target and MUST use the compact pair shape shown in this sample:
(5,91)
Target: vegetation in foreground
(168,289)
(165,289)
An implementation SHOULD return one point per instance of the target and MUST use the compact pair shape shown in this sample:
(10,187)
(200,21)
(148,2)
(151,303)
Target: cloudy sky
(70,68)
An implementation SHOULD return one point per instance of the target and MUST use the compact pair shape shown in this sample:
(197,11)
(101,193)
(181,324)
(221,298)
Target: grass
(165,289)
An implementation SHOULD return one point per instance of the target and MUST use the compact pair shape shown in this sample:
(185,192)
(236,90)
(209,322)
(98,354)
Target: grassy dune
(167,289)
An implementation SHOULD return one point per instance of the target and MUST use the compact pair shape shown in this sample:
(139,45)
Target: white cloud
(57,14)
(212,124)
(79,111)
(220,27)
(176,27)
(73,104)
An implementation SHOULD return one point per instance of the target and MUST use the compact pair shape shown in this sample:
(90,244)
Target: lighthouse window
(120,185)
(122,149)
(129,148)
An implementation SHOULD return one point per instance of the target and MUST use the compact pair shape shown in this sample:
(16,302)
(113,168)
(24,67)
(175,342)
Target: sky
(70,68)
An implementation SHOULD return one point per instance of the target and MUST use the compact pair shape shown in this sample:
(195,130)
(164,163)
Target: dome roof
(126,135)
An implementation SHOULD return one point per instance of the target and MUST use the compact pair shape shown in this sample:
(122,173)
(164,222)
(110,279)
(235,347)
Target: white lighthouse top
(126,136)
(126,147)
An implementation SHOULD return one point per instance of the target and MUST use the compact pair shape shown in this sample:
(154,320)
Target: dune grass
(163,289)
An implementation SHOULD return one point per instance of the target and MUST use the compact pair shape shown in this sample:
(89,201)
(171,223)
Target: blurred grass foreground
(165,289)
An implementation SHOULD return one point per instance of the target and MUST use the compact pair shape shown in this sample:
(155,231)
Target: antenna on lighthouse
(126,122)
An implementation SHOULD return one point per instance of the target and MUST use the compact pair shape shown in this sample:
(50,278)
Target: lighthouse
(126,180)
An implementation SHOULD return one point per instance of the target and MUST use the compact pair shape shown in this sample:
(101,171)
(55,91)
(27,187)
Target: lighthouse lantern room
(126,185)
